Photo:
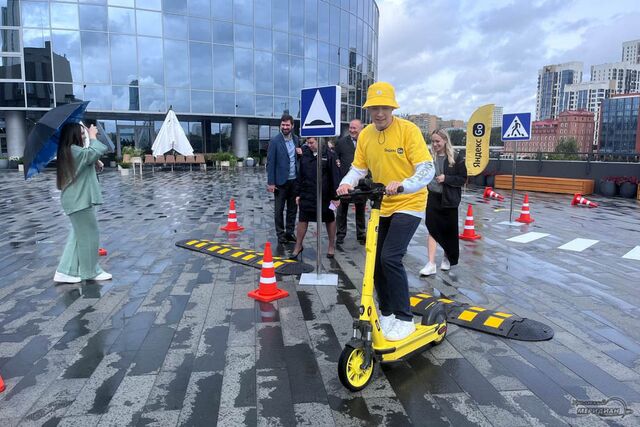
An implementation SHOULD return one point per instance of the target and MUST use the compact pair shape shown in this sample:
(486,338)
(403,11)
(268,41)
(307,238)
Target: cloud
(448,58)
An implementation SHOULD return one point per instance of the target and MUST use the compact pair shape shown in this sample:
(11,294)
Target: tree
(458,137)
(496,137)
(567,149)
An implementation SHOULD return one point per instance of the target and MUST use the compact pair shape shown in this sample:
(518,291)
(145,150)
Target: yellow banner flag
(478,136)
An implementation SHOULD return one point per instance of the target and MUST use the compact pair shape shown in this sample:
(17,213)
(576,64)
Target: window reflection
(199,7)
(281,73)
(149,4)
(296,17)
(93,17)
(243,11)
(176,64)
(262,39)
(280,9)
(200,29)
(296,45)
(175,6)
(243,36)
(150,61)
(149,23)
(222,32)
(310,48)
(263,16)
(9,40)
(225,102)
(178,99)
(121,20)
(152,99)
(244,69)
(12,94)
(311,18)
(324,21)
(35,14)
(99,95)
(264,106)
(39,95)
(245,104)
(126,98)
(66,56)
(323,74)
(223,67)
(280,42)
(10,68)
(280,106)
(264,72)
(201,102)
(124,65)
(66,94)
(10,15)
(125,3)
(201,72)
(64,16)
(222,9)
(175,26)
(95,60)
(296,75)
(310,73)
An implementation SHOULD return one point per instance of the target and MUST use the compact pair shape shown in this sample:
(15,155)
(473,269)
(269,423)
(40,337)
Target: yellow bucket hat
(381,94)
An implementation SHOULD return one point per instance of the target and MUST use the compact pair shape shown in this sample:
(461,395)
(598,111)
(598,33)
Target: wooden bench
(546,184)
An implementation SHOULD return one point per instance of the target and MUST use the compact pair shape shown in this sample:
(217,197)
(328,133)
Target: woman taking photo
(77,164)
(442,202)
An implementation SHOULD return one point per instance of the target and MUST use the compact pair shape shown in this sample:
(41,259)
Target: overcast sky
(448,57)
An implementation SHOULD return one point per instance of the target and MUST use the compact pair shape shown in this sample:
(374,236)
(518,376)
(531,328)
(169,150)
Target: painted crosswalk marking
(528,237)
(578,245)
(633,253)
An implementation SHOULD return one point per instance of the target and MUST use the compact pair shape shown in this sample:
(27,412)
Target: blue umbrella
(42,142)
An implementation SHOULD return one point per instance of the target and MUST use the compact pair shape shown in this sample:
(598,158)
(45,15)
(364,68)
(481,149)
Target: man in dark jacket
(345,147)
(282,166)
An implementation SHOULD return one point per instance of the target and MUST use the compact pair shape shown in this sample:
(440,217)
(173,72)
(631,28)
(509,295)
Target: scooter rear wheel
(350,371)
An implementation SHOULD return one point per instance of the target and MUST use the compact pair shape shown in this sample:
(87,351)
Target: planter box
(4,163)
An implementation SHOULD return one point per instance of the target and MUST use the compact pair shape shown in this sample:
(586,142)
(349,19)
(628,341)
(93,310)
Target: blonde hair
(448,148)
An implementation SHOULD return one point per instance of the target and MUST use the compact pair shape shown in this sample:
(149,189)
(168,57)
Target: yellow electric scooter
(368,344)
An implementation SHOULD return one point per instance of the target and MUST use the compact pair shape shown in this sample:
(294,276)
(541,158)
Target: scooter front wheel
(350,371)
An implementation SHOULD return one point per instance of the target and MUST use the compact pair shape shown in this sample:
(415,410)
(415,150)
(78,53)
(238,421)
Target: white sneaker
(102,276)
(386,322)
(401,329)
(65,278)
(445,265)
(428,269)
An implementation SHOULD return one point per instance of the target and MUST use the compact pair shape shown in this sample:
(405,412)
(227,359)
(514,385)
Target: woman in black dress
(445,192)
(306,194)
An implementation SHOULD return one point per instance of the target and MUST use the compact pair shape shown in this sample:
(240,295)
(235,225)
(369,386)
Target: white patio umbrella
(171,137)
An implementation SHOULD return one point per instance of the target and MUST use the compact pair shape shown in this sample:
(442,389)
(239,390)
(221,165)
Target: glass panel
(334,74)
(222,9)
(225,102)
(124,65)
(222,32)
(121,20)
(296,16)
(37,58)
(39,95)
(178,99)
(323,74)
(12,94)
(335,26)
(264,72)
(11,13)
(152,99)
(223,68)
(199,7)
(125,98)
(264,106)
(296,75)
(66,94)
(310,48)
(176,64)
(244,69)
(175,26)
(243,11)
(95,61)
(245,104)
(344,29)
(201,71)
(311,18)
(294,107)
(280,9)
(149,23)
(35,14)
(175,6)
(200,29)
(352,32)
(10,68)
(310,73)
(243,36)
(323,21)
(262,38)
(296,45)
(99,95)
(201,102)
(125,3)
(280,106)
(150,62)
(64,16)
(9,40)
(149,4)
(281,69)
(66,51)
(93,18)
(262,17)
(280,42)
(344,57)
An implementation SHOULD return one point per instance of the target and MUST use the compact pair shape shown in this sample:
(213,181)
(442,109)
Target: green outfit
(80,256)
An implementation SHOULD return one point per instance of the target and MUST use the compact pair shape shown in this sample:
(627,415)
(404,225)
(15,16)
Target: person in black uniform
(306,194)
(345,147)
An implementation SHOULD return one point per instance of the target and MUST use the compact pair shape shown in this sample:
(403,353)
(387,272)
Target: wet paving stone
(174,340)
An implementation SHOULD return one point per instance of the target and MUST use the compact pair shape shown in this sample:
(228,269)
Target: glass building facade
(210,60)
(620,125)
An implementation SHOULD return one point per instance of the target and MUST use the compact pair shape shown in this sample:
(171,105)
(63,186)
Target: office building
(496,121)
(552,80)
(619,131)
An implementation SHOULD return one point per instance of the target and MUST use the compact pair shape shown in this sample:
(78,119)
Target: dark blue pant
(390,278)
(285,194)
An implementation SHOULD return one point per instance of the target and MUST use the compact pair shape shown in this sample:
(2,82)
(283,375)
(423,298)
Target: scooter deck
(396,350)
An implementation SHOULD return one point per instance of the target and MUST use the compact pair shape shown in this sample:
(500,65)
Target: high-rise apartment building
(496,121)
(625,74)
(430,122)
(631,52)
(619,124)
(552,80)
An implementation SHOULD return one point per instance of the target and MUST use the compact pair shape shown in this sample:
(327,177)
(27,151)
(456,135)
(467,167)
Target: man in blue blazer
(282,167)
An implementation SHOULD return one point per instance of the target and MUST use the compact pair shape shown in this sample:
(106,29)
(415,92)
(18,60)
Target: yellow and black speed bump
(484,320)
(244,256)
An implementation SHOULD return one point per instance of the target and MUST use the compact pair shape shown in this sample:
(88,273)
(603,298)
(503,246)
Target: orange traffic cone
(102,252)
(489,193)
(232,221)
(2,386)
(525,217)
(268,288)
(469,230)
(579,200)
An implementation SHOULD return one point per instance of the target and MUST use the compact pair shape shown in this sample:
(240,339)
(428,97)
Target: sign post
(515,127)
(320,117)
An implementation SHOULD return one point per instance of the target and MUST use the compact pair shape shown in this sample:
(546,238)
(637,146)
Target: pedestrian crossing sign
(516,127)
(320,108)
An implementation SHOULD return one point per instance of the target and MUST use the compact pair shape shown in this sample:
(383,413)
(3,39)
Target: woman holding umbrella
(78,160)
